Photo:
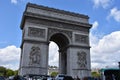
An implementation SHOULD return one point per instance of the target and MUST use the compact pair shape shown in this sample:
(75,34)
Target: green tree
(2,71)
(16,72)
(54,74)
(95,74)
(9,72)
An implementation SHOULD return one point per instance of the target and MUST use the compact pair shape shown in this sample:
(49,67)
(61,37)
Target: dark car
(2,78)
(63,77)
(68,78)
(16,77)
(36,77)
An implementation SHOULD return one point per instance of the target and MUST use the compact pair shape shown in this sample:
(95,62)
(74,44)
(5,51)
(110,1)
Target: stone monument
(70,31)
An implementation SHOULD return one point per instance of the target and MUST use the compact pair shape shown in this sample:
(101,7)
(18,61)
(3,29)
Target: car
(49,78)
(16,77)
(60,77)
(10,78)
(63,77)
(2,78)
(37,77)
(68,78)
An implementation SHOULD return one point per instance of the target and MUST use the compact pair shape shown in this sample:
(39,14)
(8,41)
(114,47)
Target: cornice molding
(35,16)
(56,10)
(42,12)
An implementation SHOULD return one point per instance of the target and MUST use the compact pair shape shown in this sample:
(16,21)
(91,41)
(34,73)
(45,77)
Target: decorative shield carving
(82,59)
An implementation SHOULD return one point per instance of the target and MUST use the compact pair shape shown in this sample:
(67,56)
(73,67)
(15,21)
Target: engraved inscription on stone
(82,59)
(36,32)
(81,38)
(34,56)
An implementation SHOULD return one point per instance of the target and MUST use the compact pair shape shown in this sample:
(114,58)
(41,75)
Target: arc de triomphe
(70,31)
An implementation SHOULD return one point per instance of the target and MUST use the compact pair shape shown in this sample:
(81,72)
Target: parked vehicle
(17,77)
(49,78)
(110,74)
(60,77)
(2,78)
(37,77)
(68,78)
(63,77)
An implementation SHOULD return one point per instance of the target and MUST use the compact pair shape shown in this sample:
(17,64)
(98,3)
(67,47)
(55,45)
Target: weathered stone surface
(69,30)
(36,32)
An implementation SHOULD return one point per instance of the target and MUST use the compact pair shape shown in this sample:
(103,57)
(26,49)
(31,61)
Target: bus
(110,74)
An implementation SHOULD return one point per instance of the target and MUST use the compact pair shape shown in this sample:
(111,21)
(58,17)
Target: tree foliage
(95,74)
(2,71)
(54,74)
(7,72)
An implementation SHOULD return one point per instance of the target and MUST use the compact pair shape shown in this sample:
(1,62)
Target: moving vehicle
(110,74)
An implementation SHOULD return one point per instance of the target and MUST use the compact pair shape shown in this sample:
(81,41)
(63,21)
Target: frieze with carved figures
(36,32)
(81,38)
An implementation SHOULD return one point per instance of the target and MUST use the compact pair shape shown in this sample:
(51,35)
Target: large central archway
(62,42)
(60,39)
(70,31)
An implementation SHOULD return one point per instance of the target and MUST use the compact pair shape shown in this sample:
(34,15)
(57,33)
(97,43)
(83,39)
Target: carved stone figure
(34,55)
(81,59)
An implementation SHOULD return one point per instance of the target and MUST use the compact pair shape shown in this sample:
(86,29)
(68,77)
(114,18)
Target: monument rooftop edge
(44,12)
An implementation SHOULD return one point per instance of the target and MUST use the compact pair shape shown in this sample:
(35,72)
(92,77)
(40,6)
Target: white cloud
(53,54)
(102,3)
(106,52)
(9,57)
(14,1)
(95,25)
(115,13)
(94,38)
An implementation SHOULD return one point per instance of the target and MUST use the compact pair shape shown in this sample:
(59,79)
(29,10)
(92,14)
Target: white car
(60,77)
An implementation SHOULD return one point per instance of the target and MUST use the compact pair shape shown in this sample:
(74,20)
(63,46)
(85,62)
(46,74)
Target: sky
(104,34)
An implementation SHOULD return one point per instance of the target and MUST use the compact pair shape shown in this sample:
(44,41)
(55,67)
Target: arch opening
(53,54)
(61,41)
